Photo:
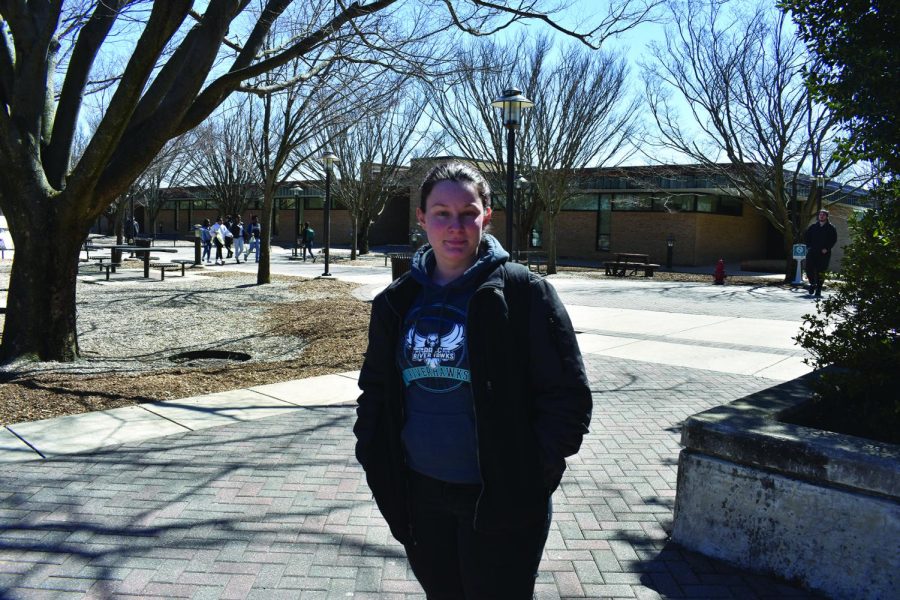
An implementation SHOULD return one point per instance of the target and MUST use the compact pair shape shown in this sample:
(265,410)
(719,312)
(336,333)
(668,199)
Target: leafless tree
(584,115)
(374,154)
(751,123)
(183,63)
(170,167)
(222,159)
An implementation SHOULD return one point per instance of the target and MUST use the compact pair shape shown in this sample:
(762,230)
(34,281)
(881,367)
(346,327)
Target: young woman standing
(473,394)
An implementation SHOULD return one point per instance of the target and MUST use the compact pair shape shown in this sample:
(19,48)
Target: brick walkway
(278,508)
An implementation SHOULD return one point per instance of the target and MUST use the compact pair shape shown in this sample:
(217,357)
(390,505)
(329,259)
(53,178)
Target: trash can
(401,262)
(143,242)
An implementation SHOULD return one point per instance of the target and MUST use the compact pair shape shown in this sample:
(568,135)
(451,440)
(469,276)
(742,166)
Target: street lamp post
(511,104)
(329,159)
(521,186)
(820,186)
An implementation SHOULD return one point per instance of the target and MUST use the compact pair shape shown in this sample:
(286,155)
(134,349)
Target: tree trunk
(550,241)
(264,270)
(354,236)
(363,236)
(40,319)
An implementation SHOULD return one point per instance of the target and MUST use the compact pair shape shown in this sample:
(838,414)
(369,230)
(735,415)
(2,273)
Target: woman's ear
(487,215)
(420,217)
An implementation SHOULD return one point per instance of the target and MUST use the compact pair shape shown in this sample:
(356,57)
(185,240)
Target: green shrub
(857,328)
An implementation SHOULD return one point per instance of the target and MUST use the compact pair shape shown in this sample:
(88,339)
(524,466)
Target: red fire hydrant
(719,275)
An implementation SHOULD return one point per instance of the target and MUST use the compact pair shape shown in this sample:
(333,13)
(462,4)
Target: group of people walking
(230,233)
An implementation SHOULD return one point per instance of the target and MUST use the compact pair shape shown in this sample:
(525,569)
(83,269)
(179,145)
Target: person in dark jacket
(473,394)
(820,238)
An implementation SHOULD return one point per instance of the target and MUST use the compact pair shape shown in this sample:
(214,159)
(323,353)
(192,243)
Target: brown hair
(459,173)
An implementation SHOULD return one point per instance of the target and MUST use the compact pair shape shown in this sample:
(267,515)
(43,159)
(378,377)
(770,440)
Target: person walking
(206,239)
(255,233)
(307,235)
(218,237)
(820,238)
(237,232)
(229,237)
(473,394)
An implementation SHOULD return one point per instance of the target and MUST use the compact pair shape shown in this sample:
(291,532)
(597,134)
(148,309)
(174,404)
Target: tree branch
(57,153)
(165,19)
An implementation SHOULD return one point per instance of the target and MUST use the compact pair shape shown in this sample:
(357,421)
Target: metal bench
(164,266)
(183,262)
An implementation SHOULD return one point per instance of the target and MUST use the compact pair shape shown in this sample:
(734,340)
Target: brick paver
(278,508)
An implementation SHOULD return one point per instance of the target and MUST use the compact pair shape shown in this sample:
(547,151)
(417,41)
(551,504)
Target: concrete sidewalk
(255,493)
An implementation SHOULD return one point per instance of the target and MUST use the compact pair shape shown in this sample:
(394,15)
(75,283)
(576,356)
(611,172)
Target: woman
(306,238)
(473,394)
(218,238)
(206,238)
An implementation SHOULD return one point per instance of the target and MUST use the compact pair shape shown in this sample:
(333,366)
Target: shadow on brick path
(278,508)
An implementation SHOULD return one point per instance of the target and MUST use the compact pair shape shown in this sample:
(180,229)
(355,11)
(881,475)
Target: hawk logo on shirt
(434,354)
(433,349)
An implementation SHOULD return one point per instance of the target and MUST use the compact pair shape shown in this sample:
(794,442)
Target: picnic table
(629,263)
(116,253)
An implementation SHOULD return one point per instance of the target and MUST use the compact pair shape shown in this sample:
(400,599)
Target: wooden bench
(164,266)
(623,268)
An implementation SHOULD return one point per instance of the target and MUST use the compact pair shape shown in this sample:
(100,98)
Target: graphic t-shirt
(439,433)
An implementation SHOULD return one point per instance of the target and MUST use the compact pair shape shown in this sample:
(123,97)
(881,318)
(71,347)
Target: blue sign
(799,251)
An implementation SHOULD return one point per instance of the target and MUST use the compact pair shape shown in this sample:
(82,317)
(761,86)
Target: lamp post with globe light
(511,104)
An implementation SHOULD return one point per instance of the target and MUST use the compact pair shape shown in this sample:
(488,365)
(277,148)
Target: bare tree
(583,116)
(182,65)
(752,122)
(374,153)
(288,135)
(222,159)
(167,168)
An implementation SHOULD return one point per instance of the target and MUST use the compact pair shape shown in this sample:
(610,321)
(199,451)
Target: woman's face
(454,220)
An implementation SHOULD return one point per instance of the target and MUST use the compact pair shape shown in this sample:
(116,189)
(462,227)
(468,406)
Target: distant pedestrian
(307,235)
(820,238)
(255,232)
(229,237)
(237,231)
(473,395)
(218,236)
(206,239)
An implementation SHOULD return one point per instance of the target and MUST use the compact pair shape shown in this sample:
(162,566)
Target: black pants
(452,560)
(816,266)
(218,249)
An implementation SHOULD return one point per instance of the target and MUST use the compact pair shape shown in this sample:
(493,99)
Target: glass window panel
(730,206)
(631,202)
(586,202)
(315,203)
(675,204)
(706,204)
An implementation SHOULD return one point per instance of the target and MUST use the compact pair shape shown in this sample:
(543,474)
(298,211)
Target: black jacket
(532,399)
(818,237)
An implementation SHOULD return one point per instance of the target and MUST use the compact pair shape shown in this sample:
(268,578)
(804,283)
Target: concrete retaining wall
(814,507)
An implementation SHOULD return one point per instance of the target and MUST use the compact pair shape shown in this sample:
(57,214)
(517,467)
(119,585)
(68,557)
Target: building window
(584,202)
(675,204)
(631,202)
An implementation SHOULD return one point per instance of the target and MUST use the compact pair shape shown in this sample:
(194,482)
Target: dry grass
(331,322)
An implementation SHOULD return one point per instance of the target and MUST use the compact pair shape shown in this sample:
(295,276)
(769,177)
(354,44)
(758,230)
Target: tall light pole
(820,187)
(328,159)
(521,186)
(511,104)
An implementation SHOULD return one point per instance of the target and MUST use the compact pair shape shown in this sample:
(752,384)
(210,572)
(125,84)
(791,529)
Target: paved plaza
(256,494)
